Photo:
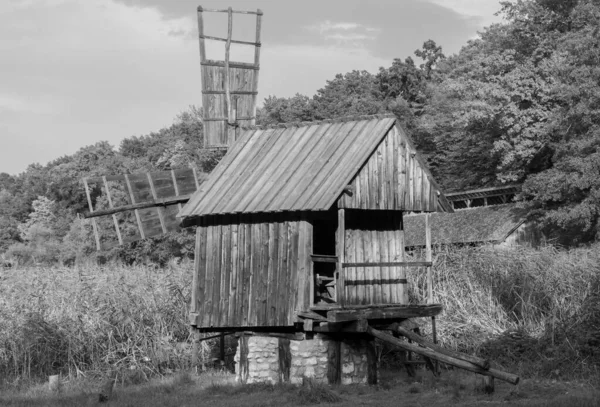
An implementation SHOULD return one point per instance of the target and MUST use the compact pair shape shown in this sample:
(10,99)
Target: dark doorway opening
(324,252)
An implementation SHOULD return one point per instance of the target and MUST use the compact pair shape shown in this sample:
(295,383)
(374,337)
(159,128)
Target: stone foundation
(325,359)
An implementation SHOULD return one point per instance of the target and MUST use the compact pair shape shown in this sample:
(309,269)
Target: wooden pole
(226,67)
(340,239)
(259,14)
(201,35)
(482,363)
(507,377)
(428,259)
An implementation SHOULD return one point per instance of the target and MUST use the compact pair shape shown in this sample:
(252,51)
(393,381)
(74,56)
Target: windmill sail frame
(229,88)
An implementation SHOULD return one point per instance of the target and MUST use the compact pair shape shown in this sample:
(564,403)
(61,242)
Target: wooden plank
(248,272)
(357,326)
(264,267)
(114,217)
(272,274)
(158,209)
(229,40)
(208,292)
(340,244)
(399,312)
(196,293)
(225,270)
(294,268)
(388,264)
(94,226)
(307,272)
(133,202)
(428,258)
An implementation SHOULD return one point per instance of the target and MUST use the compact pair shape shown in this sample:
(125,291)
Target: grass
(217,390)
(535,312)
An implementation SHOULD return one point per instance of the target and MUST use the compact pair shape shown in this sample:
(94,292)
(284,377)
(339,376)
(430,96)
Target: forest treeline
(519,104)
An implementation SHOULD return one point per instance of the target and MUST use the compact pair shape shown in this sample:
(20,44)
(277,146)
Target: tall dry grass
(91,319)
(535,309)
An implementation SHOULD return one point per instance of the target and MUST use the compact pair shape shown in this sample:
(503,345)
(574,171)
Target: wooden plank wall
(375,236)
(251,270)
(393,178)
(241,79)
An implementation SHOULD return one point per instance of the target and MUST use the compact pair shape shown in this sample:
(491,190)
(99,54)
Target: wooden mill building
(307,219)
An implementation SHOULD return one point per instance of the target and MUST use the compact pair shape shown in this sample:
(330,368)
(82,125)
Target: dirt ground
(455,388)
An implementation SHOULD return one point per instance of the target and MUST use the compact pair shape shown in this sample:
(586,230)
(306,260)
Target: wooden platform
(335,318)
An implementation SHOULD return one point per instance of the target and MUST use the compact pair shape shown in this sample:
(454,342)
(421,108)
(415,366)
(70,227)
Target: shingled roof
(490,224)
(292,167)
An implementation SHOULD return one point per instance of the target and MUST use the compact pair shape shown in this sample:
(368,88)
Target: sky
(76,72)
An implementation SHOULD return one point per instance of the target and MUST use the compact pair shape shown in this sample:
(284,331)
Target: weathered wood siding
(393,178)
(251,270)
(374,236)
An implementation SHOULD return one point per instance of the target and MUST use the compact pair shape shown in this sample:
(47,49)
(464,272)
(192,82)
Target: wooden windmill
(300,232)
(145,205)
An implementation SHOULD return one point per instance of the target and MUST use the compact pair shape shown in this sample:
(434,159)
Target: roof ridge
(318,122)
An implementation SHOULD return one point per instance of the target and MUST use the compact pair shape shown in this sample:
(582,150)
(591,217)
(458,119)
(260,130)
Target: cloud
(348,34)
(481,10)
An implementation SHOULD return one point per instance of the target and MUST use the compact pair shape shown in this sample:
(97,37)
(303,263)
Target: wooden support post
(243,363)
(340,240)
(222,349)
(285,359)
(428,258)
(334,361)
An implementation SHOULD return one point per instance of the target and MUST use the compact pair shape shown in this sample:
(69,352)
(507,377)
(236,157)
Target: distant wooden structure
(308,217)
(475,198)
(482,217)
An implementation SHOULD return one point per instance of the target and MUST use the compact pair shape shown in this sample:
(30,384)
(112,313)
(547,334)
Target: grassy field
(535,313)
(218,390)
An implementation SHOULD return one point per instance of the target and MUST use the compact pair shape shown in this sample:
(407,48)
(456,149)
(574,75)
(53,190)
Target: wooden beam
(507,377)
(241,65)
(482,363)
(208,37)
(212,10)
(322,258)
(399,312)
(389,264)
(357,326)
(142,205)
